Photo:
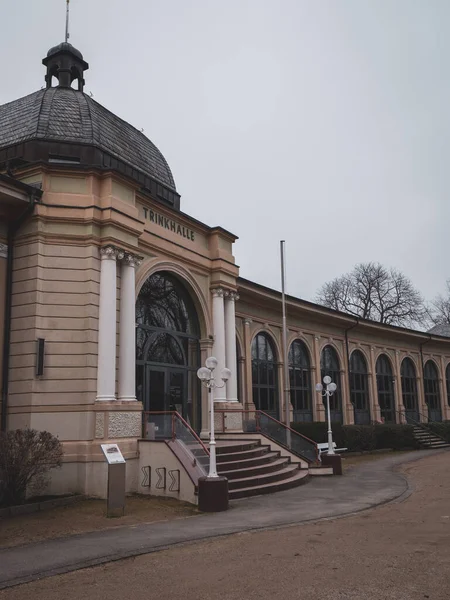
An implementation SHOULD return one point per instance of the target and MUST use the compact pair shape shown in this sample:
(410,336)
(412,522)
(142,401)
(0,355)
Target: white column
(127,330)
(219,339)
(230,345)
(106,362)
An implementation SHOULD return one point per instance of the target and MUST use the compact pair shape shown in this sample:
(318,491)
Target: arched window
(329,365)
(432,395)
(385,387)
(447,381)
(264,375)
(167,348)
(300,381)
(409,390)
(359,388)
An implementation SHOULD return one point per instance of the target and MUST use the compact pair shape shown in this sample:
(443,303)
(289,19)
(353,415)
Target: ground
(88,515)
(399,551)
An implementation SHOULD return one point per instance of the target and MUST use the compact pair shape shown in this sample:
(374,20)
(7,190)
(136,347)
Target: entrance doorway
(167,349)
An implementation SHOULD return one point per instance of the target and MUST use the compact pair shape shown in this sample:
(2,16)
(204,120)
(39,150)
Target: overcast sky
(324,123)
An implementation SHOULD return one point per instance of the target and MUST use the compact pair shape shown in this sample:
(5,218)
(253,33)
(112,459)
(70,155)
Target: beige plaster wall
(2,306)
(158,455)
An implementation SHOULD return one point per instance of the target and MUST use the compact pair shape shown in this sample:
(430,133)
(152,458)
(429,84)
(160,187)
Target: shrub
(26,457)
(441,429)
(361,438)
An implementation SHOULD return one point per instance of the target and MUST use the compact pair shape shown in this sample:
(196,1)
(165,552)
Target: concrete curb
(32,507)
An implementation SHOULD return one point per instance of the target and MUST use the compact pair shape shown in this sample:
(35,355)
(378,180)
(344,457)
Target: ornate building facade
(111,298)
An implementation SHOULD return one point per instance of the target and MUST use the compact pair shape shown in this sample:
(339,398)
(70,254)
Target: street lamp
(327,392)
(206,376)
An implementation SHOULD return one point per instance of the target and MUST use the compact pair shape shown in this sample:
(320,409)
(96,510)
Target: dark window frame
(385,388)
(300,378)
(265,374)
(330,365)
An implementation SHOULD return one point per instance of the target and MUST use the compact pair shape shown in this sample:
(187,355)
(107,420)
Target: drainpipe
(12,230)
(421,345)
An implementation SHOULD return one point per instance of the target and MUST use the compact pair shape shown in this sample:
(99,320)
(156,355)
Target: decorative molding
(111,253)
(124,424)
(132,260)
(218,292)
(3,251)
(232,296)
(100,425)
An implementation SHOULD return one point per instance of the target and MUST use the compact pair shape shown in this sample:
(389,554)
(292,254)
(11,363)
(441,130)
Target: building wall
(3,260)
(55,296)
(259,309)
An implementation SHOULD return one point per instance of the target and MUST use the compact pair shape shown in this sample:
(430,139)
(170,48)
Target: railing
(257,421)
(423,425)
(170,425)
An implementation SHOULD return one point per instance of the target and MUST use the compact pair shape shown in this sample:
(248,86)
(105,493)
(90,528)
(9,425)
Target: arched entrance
(329,365)
(409,390)
(432,393)
(167,348)
(359,388)
(264,375)
(300,381)
(385,386)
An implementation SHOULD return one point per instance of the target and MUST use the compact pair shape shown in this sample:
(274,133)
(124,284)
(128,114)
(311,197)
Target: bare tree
(374,292)
(26,457)
(439,309)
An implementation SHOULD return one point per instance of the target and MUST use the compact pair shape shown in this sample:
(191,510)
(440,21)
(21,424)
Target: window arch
(385,387)
(264,375)
(167,348)
(300,381)
(359,388)
(409,390)
(329,365)
(432,394)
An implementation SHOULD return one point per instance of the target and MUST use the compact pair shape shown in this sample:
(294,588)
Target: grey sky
(325,123)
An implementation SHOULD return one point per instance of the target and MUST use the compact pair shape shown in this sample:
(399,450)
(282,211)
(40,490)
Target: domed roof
(64,125)
(64,47)
(67,115)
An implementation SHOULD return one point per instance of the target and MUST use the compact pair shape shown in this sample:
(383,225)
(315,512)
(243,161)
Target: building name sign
(169,224)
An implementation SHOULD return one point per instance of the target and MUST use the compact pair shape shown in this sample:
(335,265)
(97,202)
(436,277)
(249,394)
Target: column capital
(132,260)
(3,251)
(247,322)
(111,253)
(232,296)
(218,292)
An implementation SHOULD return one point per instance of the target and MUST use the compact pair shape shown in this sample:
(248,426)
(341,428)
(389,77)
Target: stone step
(233,447)
(264,459)
(298,478)
(242,455)
(254,471)
(259,480)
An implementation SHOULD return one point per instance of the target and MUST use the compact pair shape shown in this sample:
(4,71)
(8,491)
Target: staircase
(428,440)
(253,469)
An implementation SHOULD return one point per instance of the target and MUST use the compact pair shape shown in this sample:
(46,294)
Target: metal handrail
(421,425)
(258,414)
(176,415)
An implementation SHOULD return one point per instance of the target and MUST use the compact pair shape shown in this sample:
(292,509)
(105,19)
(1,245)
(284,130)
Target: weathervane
(67,20)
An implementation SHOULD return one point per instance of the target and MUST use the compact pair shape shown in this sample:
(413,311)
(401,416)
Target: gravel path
(397,551)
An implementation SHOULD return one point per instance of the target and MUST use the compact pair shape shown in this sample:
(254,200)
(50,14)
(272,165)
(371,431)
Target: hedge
(362,438)
(441,429)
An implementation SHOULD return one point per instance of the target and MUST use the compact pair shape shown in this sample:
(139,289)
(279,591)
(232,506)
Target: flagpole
(67,20)
(285,347)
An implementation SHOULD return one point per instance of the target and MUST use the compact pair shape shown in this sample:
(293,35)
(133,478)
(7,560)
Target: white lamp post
(206,376)
(328,391)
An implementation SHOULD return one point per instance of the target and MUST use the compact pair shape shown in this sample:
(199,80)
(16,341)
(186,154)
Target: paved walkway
(363,487)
